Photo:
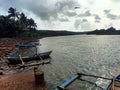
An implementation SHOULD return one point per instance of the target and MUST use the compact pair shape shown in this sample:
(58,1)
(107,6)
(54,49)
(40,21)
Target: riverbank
(7,46)
(22,81)
(10,77)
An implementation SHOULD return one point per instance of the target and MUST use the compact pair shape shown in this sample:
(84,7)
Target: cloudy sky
(72,15)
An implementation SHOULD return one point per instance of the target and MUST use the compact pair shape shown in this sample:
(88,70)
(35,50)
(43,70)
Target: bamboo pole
(94,76)
(38,54)
(33,64)
(21,59)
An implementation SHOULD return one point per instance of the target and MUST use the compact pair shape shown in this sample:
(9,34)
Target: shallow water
(98,55)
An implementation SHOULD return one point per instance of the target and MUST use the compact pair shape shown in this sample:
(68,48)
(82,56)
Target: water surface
(98,55)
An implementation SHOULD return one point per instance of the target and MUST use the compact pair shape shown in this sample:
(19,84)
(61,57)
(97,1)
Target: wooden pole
(38,54)
(21,59)
(94,76)
(33,64)
(39,76)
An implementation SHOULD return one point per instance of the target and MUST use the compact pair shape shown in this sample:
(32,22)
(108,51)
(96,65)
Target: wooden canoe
(15,59)
(25,45)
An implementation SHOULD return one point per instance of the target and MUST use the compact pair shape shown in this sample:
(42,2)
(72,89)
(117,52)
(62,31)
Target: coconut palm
(31,23)
(13,14)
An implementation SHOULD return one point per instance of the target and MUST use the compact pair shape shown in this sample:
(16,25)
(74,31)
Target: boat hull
(15,59)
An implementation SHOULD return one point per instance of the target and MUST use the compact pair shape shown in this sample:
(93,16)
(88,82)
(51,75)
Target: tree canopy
(15,23)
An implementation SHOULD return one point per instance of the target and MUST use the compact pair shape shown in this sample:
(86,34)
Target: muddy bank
(7,46)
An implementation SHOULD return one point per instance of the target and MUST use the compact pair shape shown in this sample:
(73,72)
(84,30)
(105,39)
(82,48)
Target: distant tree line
(109,31)
(15,23)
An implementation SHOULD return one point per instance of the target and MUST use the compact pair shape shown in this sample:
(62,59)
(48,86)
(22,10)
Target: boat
(25,45)
(16,58)
(79,75)
(114,84)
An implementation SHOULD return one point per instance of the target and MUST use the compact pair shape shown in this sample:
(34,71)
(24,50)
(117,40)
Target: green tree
(13,14)
(31,23)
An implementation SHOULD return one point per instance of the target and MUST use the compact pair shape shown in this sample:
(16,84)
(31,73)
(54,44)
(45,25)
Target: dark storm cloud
(50,11)
(45,9)
(87,13)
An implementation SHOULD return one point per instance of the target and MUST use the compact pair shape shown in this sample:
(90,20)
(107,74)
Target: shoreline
(7,47)
(10,77)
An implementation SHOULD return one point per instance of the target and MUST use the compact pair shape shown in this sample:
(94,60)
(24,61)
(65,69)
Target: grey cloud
(84,20)
(44,9)
(87,13)
(66,4)
(47,10)
(6,4)
(112,16)
(97,18)
(97,21)
(70,14)
(115,1)
(86,26)
(107,11)
(63,19)
(81,23)
(77,23)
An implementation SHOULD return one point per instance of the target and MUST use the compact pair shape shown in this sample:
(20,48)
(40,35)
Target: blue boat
(116,84)
(68,82)
(25,45)
(16,58)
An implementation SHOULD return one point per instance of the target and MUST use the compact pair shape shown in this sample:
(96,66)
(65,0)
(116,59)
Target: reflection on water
(98,55)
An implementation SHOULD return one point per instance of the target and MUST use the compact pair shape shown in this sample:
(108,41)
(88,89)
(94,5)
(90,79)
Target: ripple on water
(97,55)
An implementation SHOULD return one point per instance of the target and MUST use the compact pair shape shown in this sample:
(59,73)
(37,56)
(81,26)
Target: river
(92,54)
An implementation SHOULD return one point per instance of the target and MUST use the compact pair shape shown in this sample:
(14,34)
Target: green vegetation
(15,23)
(109,31)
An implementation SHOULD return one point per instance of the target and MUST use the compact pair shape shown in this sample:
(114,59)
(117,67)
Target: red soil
(20,82)
(11,81)
(8,44)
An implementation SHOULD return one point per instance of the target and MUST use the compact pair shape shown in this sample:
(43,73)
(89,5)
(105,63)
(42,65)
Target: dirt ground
(20,82)
(7,46)
(10,79)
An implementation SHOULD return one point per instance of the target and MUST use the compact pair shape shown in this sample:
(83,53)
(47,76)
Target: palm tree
(12,13)
(23,20)
(31,23)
